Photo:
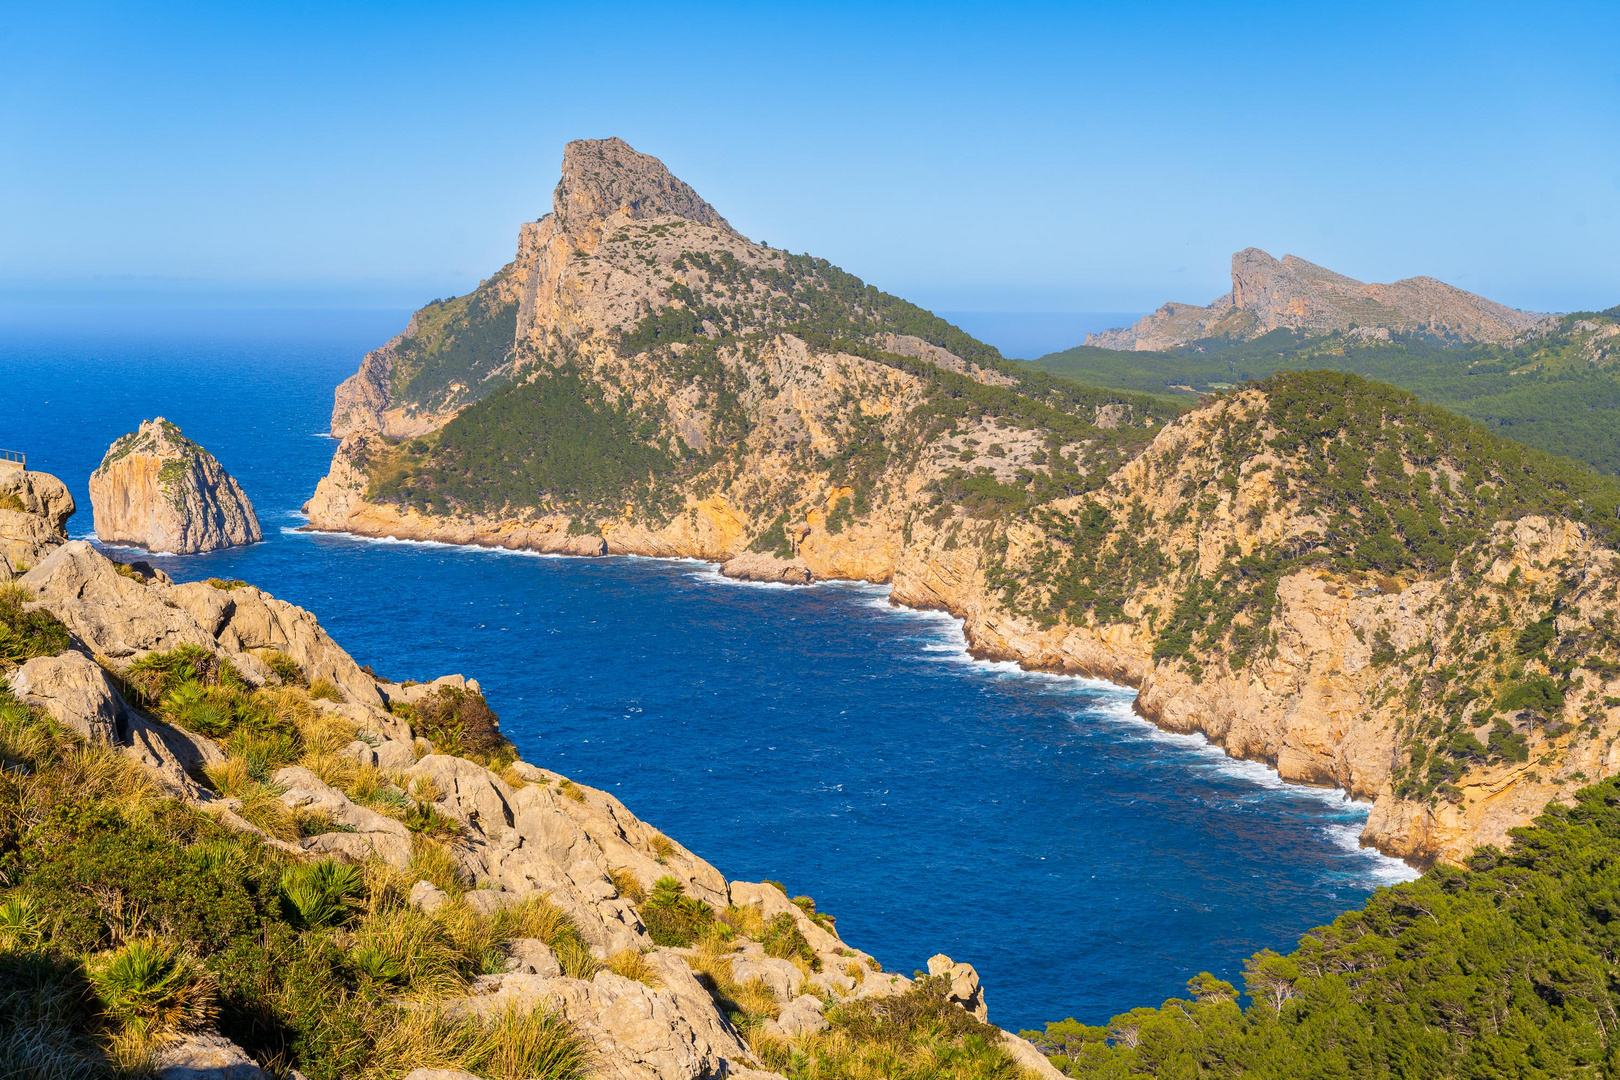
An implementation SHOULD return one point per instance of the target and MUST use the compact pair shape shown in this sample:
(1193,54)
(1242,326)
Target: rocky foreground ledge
(510,835)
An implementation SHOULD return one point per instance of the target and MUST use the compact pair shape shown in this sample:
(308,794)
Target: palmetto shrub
(321,894)
(152,990)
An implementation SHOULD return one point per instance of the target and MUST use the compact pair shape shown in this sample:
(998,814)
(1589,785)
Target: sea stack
(157,489)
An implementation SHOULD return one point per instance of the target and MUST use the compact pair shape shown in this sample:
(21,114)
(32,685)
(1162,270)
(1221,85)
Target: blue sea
(1029,824)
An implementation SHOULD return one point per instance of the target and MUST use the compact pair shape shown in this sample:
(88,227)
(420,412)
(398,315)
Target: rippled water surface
(1029,824)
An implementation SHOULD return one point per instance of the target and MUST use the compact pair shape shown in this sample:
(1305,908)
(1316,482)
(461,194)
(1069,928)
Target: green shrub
(673,918)
(151,989)
(326,690)
(284,667)
(27,634)
(459,721)
(320,894)
(784,940)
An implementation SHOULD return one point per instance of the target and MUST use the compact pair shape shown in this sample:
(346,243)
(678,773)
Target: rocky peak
(601,177)
(1293,294)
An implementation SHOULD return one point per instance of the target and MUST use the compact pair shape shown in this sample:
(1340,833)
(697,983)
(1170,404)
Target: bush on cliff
(1506,968)
(27,634)
(459,721)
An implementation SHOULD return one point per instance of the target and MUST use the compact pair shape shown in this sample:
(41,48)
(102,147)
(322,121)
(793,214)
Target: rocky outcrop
(157,489)
(520,833)
(34,509)
(1293,294)
(764,566)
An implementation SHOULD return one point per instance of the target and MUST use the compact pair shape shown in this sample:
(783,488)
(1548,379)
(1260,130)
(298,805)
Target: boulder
(206,1057)
(75,692)
(763,566)
(157,489)
(801,1017)
(256,620)
(471,793)
(428,897)
(964,983)
(781,976)
(118,617)
(34,508)
(373,833)
(530,956)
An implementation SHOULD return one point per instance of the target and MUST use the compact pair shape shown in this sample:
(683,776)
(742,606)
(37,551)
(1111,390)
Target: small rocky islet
(159,490)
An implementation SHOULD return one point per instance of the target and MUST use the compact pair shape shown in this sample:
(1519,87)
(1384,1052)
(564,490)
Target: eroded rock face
(157,489)
(34,509)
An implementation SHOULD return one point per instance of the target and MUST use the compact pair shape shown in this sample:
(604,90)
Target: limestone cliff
(157,489)
(510,834)
(1297,295)
(34,509)
(1266,568)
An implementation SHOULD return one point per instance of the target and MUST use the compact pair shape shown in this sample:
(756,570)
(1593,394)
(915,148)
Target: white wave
(1377,868)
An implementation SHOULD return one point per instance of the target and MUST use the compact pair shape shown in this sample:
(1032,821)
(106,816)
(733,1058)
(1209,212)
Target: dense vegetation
(1558,391)
(127,917)
(558,440)
(556,436)
(1504,969)
(457,343)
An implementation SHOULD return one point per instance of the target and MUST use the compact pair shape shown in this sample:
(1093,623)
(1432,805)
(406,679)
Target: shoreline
(975,652)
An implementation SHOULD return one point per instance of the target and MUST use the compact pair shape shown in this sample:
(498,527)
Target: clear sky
(994,157)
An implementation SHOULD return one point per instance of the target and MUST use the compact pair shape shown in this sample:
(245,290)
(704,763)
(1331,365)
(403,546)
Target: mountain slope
(1297,295)
(1318,572)
(1555,387)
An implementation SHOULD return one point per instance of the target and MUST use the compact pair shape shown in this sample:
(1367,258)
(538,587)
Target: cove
(1029,824)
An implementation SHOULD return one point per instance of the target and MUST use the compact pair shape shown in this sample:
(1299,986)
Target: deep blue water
(1029,824)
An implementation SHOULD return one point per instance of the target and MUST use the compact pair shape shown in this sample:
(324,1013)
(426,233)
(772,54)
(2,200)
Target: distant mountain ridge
(1292,294)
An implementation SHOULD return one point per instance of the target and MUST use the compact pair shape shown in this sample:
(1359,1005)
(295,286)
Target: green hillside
(1505,969)
(1558,391)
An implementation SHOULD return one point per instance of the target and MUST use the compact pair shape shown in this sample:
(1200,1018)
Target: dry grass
(509,774)
(432,863)
(567,787)
(633,964)
(628,885)
(513,1045)
(426,789)
(325,690)
(229,777)
(749,921)
(661,846)
(419,947)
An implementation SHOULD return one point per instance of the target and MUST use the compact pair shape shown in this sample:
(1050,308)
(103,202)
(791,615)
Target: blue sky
(1012,157)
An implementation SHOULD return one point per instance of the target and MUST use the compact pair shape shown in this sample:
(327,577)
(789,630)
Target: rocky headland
(1316,571)
(157,489)
(1292,294)
(660,968)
